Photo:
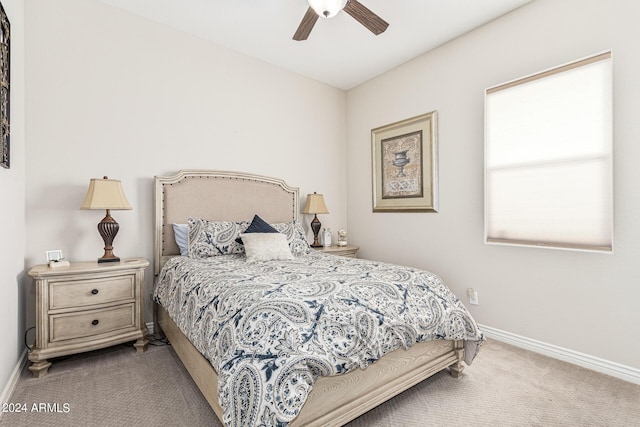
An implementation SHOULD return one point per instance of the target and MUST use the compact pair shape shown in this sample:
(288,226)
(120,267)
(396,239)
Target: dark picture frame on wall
(5,78)
(405,165)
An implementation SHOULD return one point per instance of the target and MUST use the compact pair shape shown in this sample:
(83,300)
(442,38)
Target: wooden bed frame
(334,401)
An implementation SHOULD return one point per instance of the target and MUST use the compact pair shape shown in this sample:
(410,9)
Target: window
(548,158)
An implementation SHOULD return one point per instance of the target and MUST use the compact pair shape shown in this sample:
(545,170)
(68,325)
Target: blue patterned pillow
(212,238)
(296,237)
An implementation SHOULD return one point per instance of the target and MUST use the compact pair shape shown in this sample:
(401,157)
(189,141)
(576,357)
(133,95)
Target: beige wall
(585,302)
(12,212)
(112,94)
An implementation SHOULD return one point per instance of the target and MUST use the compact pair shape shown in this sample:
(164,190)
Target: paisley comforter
(271,328)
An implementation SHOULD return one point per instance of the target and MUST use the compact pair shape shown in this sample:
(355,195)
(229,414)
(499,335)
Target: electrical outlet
(473,296)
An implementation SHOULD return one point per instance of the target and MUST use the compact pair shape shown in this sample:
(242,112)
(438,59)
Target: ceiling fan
(330,8)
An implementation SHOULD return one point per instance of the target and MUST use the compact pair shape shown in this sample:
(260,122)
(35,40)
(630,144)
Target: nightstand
(87,306)
(348,251)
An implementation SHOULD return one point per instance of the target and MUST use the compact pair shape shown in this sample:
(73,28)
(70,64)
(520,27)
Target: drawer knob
(95,292)
(95,322)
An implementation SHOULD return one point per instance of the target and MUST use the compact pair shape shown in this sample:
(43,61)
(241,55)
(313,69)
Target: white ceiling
(339,51)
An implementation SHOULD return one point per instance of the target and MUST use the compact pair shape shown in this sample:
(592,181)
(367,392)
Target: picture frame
(405,165)
(5,78)
(54,256)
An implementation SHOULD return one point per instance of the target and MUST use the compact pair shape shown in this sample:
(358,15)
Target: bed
(328,399)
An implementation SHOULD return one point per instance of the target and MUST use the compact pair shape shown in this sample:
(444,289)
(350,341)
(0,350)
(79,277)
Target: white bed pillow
(181,235)
(266,247)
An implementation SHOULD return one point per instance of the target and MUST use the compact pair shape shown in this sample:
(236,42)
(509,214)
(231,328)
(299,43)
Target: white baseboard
(5,397)
(626,373)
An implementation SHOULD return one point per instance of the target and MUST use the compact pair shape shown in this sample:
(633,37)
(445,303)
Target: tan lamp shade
(105,194)
(315,205)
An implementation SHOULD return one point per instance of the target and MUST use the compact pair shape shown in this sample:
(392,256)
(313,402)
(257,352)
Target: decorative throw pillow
(258,225)
(211,238)
(181,235)
(295,237)
(266,246)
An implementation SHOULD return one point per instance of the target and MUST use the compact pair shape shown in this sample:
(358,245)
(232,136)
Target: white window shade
(548,158)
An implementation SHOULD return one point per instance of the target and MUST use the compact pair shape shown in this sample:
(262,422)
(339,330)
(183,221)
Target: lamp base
(315,226)
(108,228)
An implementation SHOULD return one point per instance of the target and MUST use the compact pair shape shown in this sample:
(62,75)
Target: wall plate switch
(473,296)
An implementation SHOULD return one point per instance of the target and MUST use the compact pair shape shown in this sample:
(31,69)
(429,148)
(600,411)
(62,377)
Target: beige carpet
(505,386)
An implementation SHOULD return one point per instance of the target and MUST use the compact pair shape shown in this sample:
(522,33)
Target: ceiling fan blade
(366,17)
(305,27)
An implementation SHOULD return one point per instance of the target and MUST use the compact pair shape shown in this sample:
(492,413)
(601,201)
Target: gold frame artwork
(405,165)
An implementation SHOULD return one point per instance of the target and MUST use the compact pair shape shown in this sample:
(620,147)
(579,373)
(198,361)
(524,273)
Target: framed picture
(5,44)
(405,165)
(54,256)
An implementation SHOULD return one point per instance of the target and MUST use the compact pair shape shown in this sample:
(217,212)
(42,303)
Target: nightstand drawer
(345,253)
(91,323)
(80,293)
(348,251)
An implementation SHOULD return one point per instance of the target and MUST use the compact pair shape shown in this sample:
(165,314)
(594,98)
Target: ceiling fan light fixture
(330,8)
(327,8)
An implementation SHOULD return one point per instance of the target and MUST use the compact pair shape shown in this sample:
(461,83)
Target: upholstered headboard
(216,196)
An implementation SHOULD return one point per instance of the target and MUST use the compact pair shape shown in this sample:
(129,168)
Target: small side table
(348,251)
(87,306)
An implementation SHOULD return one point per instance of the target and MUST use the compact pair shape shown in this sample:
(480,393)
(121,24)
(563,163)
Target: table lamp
(315,205)
(106,194)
